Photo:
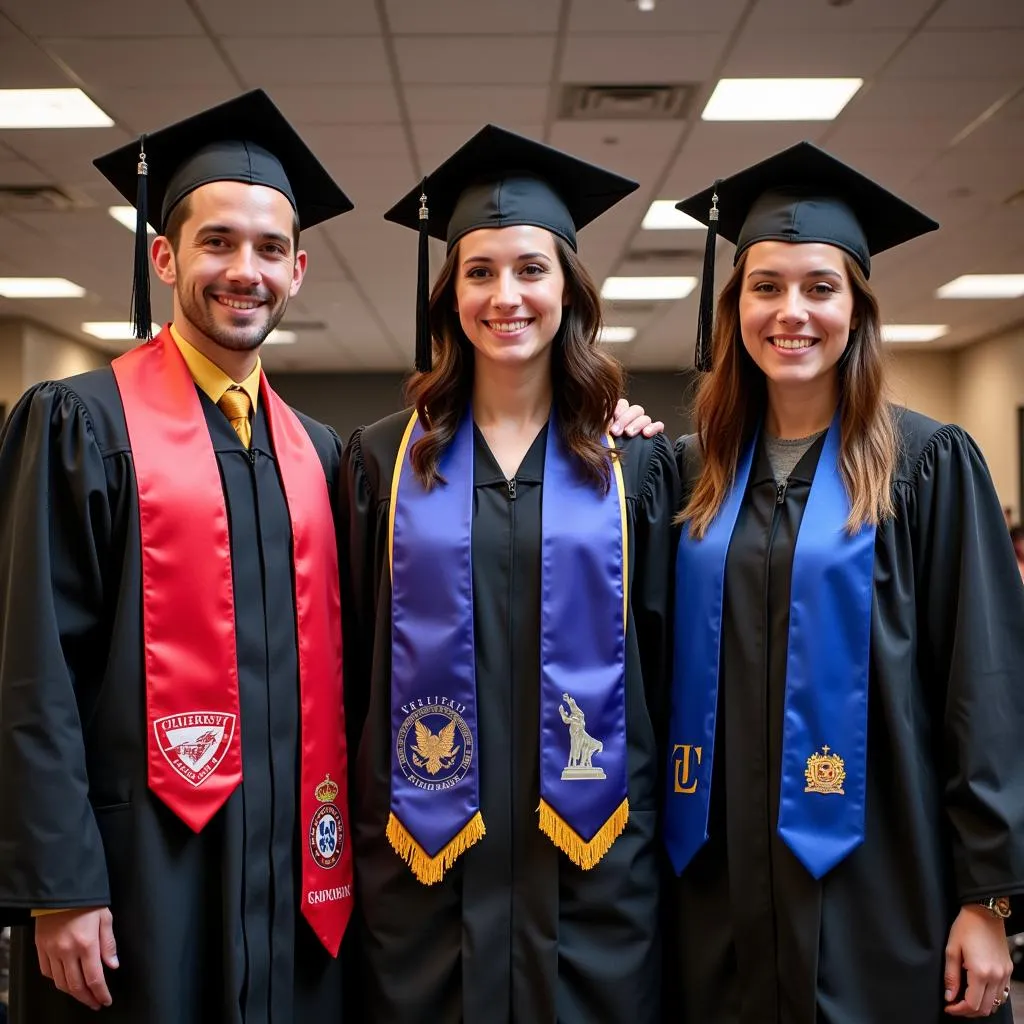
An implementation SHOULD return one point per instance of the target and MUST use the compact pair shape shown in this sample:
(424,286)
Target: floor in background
(1017,999)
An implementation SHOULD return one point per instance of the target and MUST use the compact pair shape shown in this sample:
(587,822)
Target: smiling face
(796,307)
(233,263)
(509,292)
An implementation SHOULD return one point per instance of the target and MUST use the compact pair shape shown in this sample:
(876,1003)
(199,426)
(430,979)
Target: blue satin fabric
(825,715)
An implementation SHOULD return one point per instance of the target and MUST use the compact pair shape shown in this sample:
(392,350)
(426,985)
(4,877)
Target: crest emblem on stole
(435,746)
(195,743)
(825,773)
(327,830)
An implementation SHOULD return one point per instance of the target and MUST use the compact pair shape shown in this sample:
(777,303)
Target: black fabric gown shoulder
(515,931)
(207,926)
(756,940)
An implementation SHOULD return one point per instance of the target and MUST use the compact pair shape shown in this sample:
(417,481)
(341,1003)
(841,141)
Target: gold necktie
(235,404)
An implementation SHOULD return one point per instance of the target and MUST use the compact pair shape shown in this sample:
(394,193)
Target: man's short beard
(239,340)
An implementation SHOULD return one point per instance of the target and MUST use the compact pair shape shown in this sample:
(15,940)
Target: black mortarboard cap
(498,179)
(245,139)
(802,194)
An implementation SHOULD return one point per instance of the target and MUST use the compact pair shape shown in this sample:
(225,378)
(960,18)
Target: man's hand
(977,942)
(73,946)
(631,420)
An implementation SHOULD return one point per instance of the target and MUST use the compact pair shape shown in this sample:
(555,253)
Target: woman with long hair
(507,634)
(845,801)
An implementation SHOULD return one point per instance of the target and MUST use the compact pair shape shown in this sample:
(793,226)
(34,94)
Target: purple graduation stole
(824,739)
(435,803)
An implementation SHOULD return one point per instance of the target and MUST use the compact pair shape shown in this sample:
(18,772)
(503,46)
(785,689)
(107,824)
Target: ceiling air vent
(625,102)
(34,199)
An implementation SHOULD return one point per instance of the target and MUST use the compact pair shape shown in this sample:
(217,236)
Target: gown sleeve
(357,551)
(654,572)
(55,528)
(971,615)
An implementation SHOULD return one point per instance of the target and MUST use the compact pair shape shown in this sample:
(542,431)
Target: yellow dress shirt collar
(210,378)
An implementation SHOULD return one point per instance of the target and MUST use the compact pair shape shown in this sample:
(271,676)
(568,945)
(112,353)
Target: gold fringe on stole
(580,851)
(427,869)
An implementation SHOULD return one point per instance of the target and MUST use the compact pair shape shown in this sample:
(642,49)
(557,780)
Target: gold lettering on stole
(682,782)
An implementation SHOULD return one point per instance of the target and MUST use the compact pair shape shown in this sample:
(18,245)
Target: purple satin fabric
(434,783)
(583,648)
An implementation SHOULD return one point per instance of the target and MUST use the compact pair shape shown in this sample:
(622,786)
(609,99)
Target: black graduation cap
(245,139)
(801,194)
(498,179)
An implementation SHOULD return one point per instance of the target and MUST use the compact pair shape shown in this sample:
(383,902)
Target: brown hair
(586,381)
(180,213)
(731,401)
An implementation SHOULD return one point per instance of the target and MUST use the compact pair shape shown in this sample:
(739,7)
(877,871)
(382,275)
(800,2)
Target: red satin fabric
(188,619)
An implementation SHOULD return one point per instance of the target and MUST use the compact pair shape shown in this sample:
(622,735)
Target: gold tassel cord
(581,851)
(427,869)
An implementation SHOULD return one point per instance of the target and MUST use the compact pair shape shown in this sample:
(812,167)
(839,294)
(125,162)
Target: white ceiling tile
(669,58)
(907,100)
(309,17)
(716,149)
(762,54)
(368,140)
(638,151)
(974,14)
(987,53)
(104,19)
(20,172)
(469,104)
(436,142)
(346,104)
(310,60)
(67,153)
(460,17)
(27,66)
(803,15)
(454,60)
(624,17)
(124,63)
(147,109)
(925,136)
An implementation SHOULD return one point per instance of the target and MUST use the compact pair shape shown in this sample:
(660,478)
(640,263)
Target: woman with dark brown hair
(845,805)
(508,622)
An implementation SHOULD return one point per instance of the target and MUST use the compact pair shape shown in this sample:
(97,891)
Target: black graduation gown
(208,927)
(756,940)
(515,931)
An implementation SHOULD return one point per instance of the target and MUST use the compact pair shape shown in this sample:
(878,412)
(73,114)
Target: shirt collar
(210,378)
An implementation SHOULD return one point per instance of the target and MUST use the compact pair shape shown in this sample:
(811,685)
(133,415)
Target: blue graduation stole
(824,740)
(435,801)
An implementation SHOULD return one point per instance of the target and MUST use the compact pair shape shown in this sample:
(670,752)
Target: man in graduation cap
(845,800)
(173,812)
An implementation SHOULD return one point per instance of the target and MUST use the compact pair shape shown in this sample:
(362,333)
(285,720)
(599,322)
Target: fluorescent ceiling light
(50,108)
(39,288)
(663,216)
(279,337)
(114,330)
(983,286)
(779,99)
(126,215)
(647,288)
(913,332)
(614,335)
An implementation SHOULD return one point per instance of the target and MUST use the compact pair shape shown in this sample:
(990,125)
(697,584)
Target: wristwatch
(998,905)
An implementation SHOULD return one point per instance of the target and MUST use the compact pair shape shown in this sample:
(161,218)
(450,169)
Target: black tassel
(424,343)
(706,317)
(141,315)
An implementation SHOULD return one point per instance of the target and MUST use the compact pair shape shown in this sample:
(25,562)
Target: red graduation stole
(188,620)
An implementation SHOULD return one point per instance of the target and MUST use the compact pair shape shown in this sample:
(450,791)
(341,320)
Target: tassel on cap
(141,316)
(706,316)
(424,342)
